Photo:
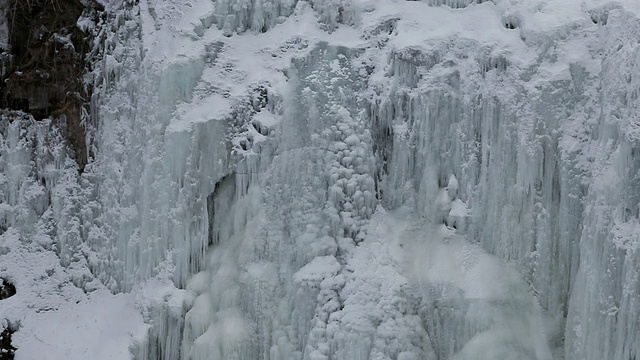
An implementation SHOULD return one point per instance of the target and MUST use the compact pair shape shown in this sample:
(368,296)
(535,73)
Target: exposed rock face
(7,289)
(6,349)
(47,63)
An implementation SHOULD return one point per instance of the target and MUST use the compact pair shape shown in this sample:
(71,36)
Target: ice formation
(336,179)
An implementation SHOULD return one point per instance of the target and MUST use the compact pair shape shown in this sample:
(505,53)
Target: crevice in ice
(382,140)
(219,203)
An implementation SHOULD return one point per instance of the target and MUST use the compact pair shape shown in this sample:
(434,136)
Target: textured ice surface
(59,311)
(340,179)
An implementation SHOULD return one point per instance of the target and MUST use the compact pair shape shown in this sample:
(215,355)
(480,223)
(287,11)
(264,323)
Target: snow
(215,107)
(266,119)
(318,269)
(458,208)
(103,326)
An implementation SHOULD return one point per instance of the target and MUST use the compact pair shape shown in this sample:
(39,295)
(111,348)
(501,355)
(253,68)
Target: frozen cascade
(343,179)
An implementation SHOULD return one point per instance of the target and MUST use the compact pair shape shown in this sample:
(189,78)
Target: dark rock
(7,351)
(47,63)
(7,289)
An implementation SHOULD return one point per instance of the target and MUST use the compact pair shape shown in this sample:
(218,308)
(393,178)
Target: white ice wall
(351,131)
(603,316)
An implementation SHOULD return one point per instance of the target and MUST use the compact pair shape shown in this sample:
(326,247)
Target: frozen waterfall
(333,180)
